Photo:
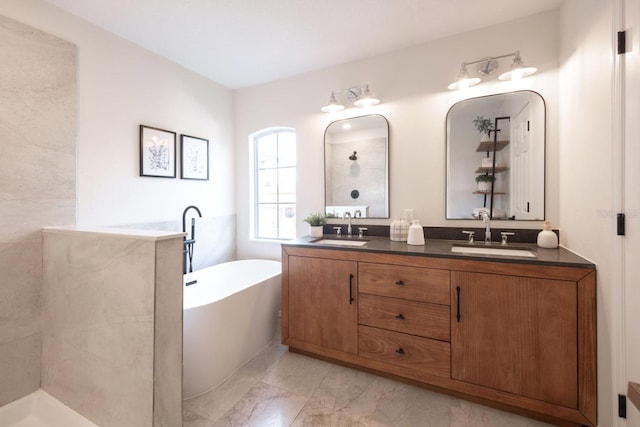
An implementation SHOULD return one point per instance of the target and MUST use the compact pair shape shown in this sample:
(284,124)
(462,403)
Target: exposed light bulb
(463,84)
(332,108)
(518,73)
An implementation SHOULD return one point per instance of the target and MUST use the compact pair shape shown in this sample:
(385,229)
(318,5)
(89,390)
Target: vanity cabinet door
(516,334)
(323,306)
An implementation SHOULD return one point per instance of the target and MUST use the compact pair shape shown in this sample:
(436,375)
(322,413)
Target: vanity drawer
(410,317)
(422,355)
(412,283)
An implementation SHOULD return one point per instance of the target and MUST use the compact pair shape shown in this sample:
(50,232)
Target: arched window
(273,189)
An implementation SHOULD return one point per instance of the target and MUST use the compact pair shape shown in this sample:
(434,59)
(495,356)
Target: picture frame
(157,152)
(194,155)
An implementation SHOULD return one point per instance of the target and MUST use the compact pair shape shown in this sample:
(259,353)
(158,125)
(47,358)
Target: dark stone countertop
(559,257)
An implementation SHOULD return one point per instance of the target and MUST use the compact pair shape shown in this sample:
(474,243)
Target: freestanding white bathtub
(230,314)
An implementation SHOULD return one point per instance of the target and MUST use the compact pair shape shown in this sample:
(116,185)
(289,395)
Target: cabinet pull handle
(400,283)
(400,316)
(350,288)
(458,303)
(400,350)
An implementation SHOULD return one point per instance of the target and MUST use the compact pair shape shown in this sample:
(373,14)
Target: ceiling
(241,43)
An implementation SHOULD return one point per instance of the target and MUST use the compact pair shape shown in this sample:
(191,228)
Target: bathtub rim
(195,296)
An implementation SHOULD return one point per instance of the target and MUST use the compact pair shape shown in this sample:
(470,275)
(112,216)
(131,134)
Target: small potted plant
(484,126)
(484,182)
(315,221)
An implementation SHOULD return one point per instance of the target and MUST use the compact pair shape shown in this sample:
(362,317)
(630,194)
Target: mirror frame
(543,154)
(386,202)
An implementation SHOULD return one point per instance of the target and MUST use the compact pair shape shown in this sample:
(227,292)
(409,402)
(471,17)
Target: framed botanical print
(157,152)
(194,154)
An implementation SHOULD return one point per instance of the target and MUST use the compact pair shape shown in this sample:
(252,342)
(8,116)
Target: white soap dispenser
(547,238)
(416,233)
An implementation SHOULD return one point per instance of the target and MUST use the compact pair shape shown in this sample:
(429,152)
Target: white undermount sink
(341,242)
(494,250)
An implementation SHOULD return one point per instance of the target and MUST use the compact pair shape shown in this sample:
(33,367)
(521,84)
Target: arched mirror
(496,157)
(356,167)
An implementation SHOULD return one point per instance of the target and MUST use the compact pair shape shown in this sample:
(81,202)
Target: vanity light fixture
(332,106)
(366,99)
(361,96)
(464,79)
(517,70)
(489,65)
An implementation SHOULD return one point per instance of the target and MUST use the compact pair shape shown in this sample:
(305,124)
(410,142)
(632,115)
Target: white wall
(585,153)
(120,87)
(631,291)
(412,85)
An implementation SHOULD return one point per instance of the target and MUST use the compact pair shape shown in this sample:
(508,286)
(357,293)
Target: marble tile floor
(278,388)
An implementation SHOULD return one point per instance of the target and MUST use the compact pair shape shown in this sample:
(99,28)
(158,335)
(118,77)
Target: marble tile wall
(37,171)
(215,241)
(112,334)
(367,175)
(167,410)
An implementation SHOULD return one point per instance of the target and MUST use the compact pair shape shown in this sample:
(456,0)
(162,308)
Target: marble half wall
(215,237)
(112,334)
(38,174)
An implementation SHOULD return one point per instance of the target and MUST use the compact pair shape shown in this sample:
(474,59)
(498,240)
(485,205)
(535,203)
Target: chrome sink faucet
(487,228)
(347,215)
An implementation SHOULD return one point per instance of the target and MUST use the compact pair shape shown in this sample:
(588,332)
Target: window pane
(287,221)
(267,186)
(287,185)
(275,184)
(267,151)
(267,227)
(286,149)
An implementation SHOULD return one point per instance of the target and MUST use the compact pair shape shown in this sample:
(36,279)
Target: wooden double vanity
(517,334)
